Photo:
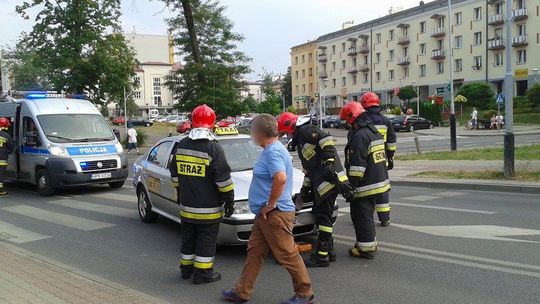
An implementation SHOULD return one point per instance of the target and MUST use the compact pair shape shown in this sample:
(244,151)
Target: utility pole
(125,112)
(508,97)
(453,135)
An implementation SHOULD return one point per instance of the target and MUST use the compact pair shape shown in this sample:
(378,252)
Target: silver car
(157,196)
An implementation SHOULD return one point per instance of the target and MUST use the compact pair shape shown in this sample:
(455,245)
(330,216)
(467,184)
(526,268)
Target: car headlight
(58,151)
(241,207)
(119,147)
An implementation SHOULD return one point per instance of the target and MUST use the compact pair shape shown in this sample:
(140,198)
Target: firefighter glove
(390,164)
(229,209)
(329,172)
(305,192)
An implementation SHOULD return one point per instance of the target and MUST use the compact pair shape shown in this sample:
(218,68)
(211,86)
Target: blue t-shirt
(273,159)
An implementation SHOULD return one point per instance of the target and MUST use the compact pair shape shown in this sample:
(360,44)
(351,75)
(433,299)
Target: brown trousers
(274,234)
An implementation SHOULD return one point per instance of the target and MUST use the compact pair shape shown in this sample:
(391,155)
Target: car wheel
(332,126)
(144,207)
(148,124)
(411,128)
(431,126)
(117,185)
(43,184)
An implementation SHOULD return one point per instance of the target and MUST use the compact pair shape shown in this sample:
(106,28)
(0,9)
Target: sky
(270,27)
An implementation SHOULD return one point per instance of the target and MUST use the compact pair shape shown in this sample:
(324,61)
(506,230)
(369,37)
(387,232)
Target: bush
(478,94)
(431,111)
(533,95)
(486,115)
(142,137)
(396,111)
(528,118)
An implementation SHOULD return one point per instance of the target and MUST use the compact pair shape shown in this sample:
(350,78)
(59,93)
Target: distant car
(163,118)
(176,119)
(332,121)
(140,121)
(227,122)
(244,125)
(411,123)
(183,127)
(119,120)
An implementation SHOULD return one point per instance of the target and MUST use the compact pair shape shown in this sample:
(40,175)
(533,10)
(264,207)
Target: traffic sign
(500,99)
(440,90)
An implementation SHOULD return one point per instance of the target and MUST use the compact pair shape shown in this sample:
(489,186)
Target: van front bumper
(63,173)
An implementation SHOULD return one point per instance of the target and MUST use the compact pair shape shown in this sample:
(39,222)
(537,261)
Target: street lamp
(453,135)
(508,99)
(415,88)
(321,98)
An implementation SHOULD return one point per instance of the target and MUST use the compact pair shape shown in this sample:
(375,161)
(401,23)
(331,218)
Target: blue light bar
(36,96)
(83,164)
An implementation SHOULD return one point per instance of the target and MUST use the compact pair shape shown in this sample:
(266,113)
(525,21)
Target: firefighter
(371,102)
(365,162)
(323,176)
(6,147)
(202,177)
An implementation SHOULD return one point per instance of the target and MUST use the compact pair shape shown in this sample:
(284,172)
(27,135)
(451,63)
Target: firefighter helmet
(351,111)
(287,122)
(4,123)
(370,99)
(203,117)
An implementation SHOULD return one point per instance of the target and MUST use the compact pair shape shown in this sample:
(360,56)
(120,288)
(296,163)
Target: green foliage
(533,95)
(273,102)
(486,115)
(142,138)
(396,111)
(460,99)
(431,111)
(292,109)
(286,89)
(77,43)
(478,94)
(407,93)
(527,118)
(214,70)
(249,105)
(26,71)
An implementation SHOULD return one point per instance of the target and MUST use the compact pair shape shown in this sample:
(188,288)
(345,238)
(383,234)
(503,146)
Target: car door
(421,123)
(158,178)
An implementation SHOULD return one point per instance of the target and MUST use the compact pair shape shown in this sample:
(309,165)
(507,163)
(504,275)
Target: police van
(62,141)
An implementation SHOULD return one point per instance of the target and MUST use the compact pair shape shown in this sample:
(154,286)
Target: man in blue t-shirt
(270,199)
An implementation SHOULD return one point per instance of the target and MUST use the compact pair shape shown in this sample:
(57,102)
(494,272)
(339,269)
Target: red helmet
(286,122)
(4,123)
(370,99)
(203,117)
(351,111)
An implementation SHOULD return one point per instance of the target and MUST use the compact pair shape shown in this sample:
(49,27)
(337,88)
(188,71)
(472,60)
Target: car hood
(242,180)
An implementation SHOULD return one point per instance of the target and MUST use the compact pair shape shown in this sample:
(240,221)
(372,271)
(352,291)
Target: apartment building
(304,74)
(410,47)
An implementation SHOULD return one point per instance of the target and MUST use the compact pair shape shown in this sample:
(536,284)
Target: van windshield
(63,128)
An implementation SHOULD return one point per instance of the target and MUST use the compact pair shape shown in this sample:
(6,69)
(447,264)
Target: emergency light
(45,94)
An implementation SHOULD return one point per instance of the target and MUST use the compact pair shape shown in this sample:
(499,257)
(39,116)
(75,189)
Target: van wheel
(116,185)
(145,208)
(44,187)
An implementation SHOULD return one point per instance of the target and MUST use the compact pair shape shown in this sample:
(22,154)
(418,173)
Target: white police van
(62,141)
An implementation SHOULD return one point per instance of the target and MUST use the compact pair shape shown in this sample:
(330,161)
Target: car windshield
(241,153)
(75,127)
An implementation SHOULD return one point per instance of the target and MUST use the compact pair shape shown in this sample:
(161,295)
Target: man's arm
(278,184)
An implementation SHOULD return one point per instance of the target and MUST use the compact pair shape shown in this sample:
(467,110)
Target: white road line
(444,208)
(110,210)
(450,193)
(18,235)
(421,198)
(58,218)
(132,198)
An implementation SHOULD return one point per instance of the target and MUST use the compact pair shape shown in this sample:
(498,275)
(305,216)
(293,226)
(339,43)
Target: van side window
(30,132)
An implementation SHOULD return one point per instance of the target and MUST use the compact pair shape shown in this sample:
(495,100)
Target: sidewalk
(460,130)
(405,168)
(28,278)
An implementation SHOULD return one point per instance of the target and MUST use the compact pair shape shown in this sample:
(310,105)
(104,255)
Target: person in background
(270,199)
(6,147)
(474,119)
(132,139)
(500,120)
(493,123)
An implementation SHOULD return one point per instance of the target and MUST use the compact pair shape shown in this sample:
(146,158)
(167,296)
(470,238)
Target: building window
(405,51)
(391,75)
(458,42)
(498,59)
(354,79)
(521,29)
(303,73)
(391,35)
(520,4)
(422,27)
(477,38)
(296,74)
(156,84)
(405,73)
(310,72)
(391,55)
(343,81)
(477,13)
(378,38)
(296,89)
(440,44)
(365,78)
(334,66)
(458,63)
(440,67)
(334,83)
(459,18)
(378,76)
(440,22)
(137,95)
(137,81)
(522,56)
(296,60)
(303,58)
(343,64)
(422,49)
(498,32)
(521,87)
(365,59)
(303,88)
(422,71)
(333,49)
(378,57)
(310,57)
(499,8)
(310,87)
(477,62)
(343,47)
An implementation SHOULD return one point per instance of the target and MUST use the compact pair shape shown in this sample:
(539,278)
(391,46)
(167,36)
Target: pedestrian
(493,122)
(202,176)
(6,147)
(474,119)
(270,199)
(500,120)
(323,175)
(371,102)
(132,139)
(365,161)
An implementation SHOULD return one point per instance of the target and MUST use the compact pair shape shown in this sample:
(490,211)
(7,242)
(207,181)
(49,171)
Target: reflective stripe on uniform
(201,213)
(326,229)
(3,163)
(375,148)
(383,129)
(327,141)
(367,246)
(194,153)
(193,159)
(323,253)
(357,171)
(204,262)
(391,146)
(372,189)
(382,207)
(308,150)
(225,186)
(324,187)
(307,182)
(342,176)
(187,259)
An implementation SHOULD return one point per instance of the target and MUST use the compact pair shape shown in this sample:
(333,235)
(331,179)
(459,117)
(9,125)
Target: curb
(496,133)
(467,185)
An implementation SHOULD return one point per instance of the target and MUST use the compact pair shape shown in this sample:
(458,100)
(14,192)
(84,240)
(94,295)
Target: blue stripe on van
(92,150)
(34,151)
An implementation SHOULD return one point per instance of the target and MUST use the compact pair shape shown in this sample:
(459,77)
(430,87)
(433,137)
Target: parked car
(227,122)
(163,118)
(244,125)
(332,121)
(411,123)
(140,121)
(176,119)
(156,195)
(183,127)
(119,120)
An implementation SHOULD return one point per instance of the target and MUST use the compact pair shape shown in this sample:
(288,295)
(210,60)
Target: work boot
(3,191)
(230,296)
(317,260)
(213,277)
(355,252)
(385,223)
(187,272)
(300,300)
(332,256)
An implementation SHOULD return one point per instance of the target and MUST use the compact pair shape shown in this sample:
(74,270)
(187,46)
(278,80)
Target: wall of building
(304,74)
(151,47)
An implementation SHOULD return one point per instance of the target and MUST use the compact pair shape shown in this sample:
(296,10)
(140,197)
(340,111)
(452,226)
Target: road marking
(450,193)
(18,235)
(58,218)
(116,196)
(444,208)
(482,232)
(421,198)
(110,210)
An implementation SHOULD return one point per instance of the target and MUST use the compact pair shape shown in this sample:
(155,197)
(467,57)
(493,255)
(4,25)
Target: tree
(26,71)
(214,69)
(533,95)
(460,99)
(286,89)
(272,102)
(407,93)
(249,104)
(79,45)
(478,94)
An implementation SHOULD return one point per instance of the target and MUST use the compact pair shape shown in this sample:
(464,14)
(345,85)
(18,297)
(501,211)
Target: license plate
(101,175)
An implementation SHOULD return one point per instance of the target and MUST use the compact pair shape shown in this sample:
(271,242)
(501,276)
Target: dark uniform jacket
(6,147)
(383,124)
(366,160)
(204,180)
(314,148)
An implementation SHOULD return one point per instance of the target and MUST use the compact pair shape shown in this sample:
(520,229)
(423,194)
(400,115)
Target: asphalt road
(442,247)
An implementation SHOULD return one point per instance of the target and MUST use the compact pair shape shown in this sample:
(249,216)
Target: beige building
(410,47)
(304,74)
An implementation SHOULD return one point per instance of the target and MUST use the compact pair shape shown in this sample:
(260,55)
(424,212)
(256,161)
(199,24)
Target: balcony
(363,67)
(352,51)
(405,60)
(519,41)
(519,14)
(495,19)
(496,44)
(403,40)
(437,54)
(438,32)
(322,58)
(353,69)
(323,75)
(364,49)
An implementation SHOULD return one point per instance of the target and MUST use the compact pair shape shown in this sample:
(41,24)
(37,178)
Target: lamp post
(322,97)
(508,98)
(453,135)
(415,88)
